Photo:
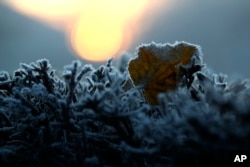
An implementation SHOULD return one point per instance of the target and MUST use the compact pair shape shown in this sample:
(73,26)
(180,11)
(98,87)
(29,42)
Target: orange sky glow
(96,29)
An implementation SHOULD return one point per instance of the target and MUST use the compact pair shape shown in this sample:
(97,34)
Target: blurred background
(94,30)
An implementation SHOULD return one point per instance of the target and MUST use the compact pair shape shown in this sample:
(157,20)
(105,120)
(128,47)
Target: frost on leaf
(158,67)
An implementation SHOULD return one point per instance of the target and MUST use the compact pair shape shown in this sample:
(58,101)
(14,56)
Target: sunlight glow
(98,38)
(46,8)
(96,29)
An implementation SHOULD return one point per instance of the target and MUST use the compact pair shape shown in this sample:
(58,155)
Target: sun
(95,29)
(95,39)
(99,32)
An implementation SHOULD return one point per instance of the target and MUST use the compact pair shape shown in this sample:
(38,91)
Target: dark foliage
(88,118)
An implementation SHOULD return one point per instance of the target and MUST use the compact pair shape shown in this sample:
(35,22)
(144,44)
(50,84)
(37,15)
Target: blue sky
(221,28)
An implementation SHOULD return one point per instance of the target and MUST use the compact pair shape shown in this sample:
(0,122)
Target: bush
(97,117)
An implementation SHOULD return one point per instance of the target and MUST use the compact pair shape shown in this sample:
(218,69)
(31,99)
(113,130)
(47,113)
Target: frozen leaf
(156,69)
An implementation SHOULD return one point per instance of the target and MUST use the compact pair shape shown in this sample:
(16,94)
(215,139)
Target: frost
(161,67)
(97,117)
(161,50)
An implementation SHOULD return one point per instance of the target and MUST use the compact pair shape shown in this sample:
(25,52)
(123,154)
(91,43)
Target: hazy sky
(220,27)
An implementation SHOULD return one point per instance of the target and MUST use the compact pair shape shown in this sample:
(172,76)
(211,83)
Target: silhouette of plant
(98,117)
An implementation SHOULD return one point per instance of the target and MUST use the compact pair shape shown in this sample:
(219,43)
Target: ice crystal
(96,117)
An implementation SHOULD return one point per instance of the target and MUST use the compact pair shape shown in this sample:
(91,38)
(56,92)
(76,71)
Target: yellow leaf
(156,69)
